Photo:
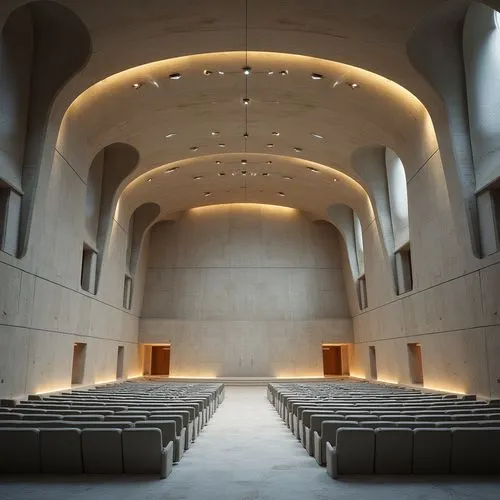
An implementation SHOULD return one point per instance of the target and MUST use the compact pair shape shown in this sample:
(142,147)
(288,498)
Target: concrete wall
(43,309)
(245,290)
(453,309)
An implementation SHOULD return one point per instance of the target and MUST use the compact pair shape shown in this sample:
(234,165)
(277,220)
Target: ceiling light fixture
(265,174)
(194,148)
(284,72)
(207,193)
(270,73)
(218,162)
(276,133)
(297,149)
(269,162)
(221,72)
(221,174)
(354,85)
(281,193)
(312,169)
(170,134)
(170,170)
(137,85)
(244,162)
(150,179)
(316,76)
(287,178)
(214,133)
(335,179)
(247,70)
(154,83)
(197,177)
(222,145)
(207,72)
(317,136)
(270,145)
(246,101)
(175,76)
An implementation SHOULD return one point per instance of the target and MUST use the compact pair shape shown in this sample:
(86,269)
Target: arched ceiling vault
(304,114)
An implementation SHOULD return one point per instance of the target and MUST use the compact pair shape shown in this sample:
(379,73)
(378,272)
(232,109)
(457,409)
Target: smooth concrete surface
(247,453)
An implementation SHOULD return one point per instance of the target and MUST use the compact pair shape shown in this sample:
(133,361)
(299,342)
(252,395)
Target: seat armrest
(167,460)
(331,460)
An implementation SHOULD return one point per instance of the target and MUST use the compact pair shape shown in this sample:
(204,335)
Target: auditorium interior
(250,250)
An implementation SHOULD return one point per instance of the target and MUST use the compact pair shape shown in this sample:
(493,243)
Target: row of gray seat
(418,451)
(92,451)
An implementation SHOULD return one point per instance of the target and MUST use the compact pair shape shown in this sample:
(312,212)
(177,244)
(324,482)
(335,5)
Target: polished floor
(247,453)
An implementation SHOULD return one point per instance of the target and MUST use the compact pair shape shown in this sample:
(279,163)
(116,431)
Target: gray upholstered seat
(102,451)
(393,451)
(61,451)
(143,452)
(124,417)
(475,450)
(19,450)
(353,453)
(328,434)
(431,451)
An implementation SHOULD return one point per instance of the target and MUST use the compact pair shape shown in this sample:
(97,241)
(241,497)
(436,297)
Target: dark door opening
(332,360)
(78,370)
(119,362)
(160,360)
(373,362)
(416,367)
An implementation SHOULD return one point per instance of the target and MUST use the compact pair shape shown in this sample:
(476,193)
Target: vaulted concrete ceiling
(145,42)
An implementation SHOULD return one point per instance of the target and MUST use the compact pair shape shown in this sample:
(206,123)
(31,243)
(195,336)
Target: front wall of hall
(245,291)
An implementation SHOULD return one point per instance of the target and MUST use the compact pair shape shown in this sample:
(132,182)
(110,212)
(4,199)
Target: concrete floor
(247,453)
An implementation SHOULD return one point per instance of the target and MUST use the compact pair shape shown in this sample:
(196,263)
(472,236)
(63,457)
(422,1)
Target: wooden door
(160,360)
(332,360)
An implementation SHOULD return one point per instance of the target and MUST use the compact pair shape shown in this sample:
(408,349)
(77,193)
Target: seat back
(167,428)
(475,450)
(142,450)
(19,451)
(355,450)
(61,451)
(102,451)
(393,451)
(431,451)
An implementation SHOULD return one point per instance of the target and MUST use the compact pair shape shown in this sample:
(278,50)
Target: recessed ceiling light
(220,72)
(150,179)
(281,193)
(218,162)
(354,85)
(245,135)
(197,177)
(276,133)
(222,145)
(270,73)
(170,134)
(170,170)
(137,85)
(317,136)
(207,72)
(297,149)
(246,101)
(175,76)
(207,193)
(244,162)
(253,174)
(269,162)
(154,83)
(221,174)
(270,145)
(284,72)
(316,76)
(287,178)
(214,133)
(315,170)
(194,148)
(246,70)
(243,173)
(335,179)
(265,174)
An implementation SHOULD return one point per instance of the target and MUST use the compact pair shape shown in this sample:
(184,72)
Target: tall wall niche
(110,167)
(42,45)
